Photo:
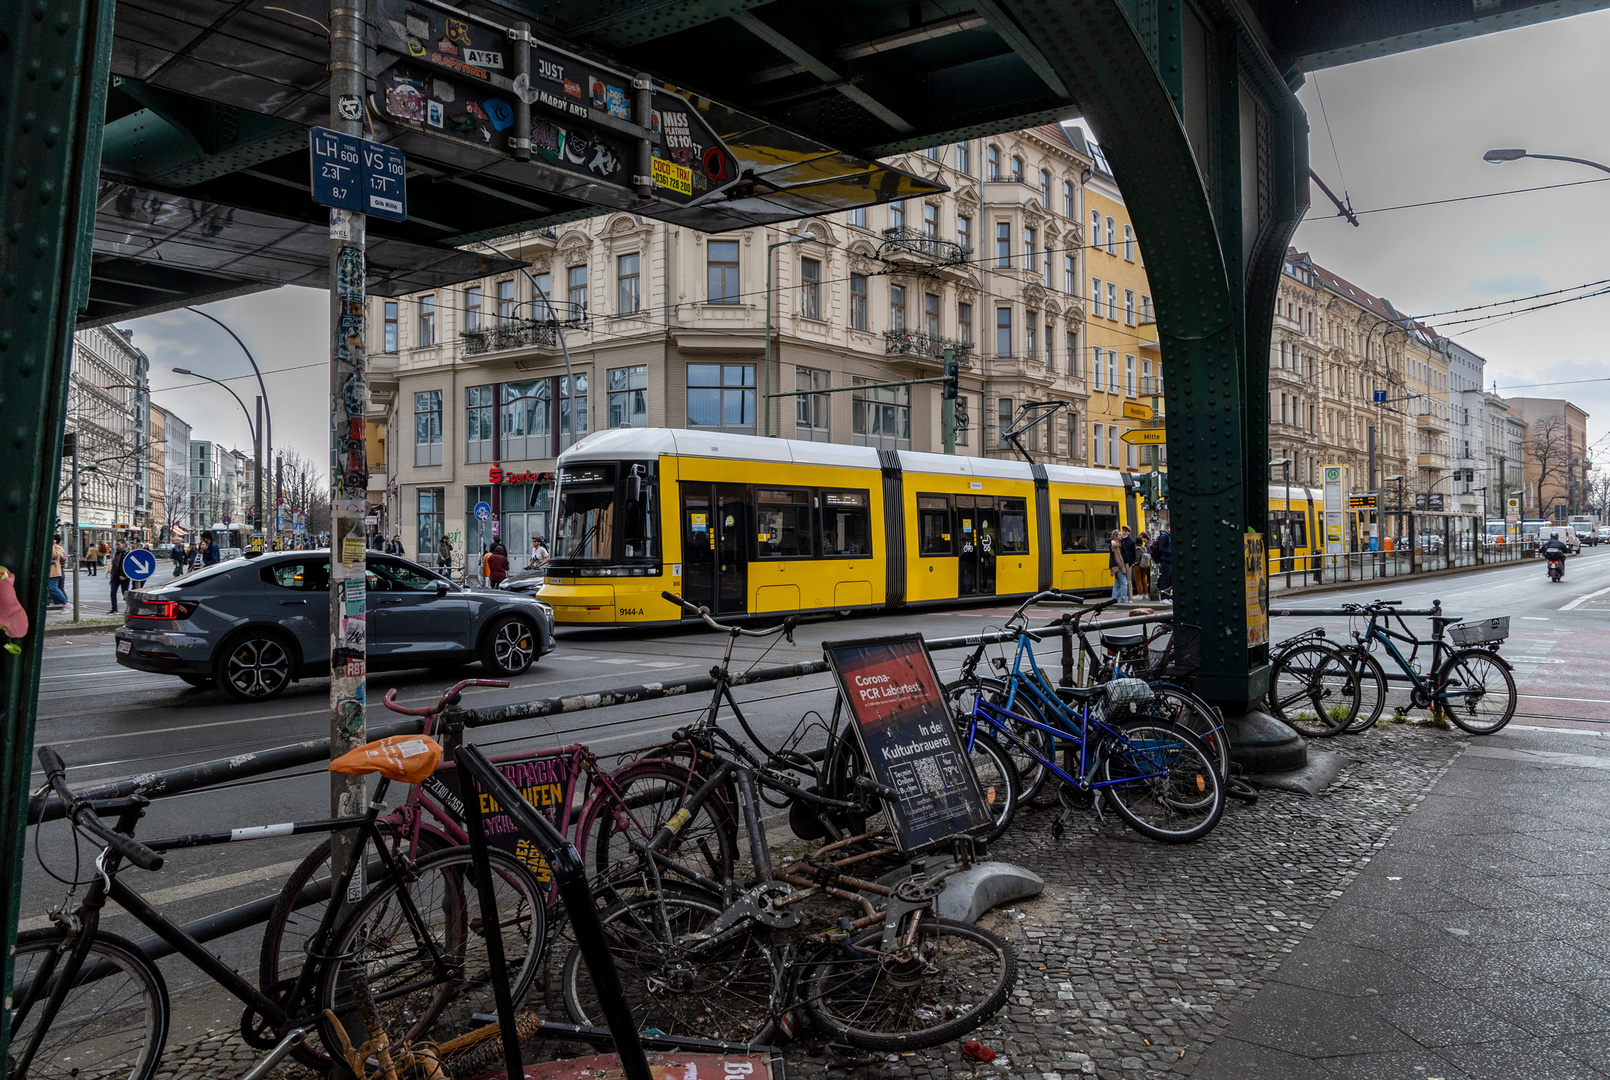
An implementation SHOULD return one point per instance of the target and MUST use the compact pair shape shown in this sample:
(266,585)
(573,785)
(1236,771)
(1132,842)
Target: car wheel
(255,667)
(201,681)
(510,647)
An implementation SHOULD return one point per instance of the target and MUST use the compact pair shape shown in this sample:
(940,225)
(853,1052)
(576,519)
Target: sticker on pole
(139,564)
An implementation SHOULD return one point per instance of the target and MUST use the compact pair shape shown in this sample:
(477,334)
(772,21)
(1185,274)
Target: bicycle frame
(1386,636)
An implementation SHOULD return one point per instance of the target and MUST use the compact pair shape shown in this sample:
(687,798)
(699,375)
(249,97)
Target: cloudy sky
(1408,129)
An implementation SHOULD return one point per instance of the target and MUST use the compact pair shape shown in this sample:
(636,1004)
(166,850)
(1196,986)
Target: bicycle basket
(1175,655)
(1480,633)
(1128,692)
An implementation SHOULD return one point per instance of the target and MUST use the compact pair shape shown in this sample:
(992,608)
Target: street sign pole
(349,473)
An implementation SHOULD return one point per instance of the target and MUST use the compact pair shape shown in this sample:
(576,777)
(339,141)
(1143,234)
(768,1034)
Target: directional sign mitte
(1145,436)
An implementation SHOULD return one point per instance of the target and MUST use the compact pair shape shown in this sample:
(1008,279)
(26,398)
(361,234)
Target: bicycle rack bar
(582,907)
(1409,612)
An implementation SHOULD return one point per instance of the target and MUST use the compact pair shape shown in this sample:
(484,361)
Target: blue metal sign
(139,564)
(482,511)
(358,175)
(1380,397)
(337,161)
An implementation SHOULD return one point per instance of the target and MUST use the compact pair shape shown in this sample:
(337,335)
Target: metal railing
(536,327)
(904,239)
(912,343)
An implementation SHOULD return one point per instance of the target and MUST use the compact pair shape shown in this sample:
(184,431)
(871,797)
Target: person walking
(394,546)
(539,554)
(115,576)
(1163,553)
(1120,569)
(497,565)
(58,564)
(1140,575)
(209,549)
(176,553)
(92,559)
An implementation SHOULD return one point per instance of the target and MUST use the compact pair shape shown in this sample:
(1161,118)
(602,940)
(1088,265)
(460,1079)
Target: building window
(1112,444)
(994,166)
(1112,237)
(811,410)
(964,323)
(930,221)
(897,307)
(858,217)
(1129,376)
(1073,434)
(1072,353)
(722,396)
(964,233)
(1050,336)
(858,301)
(1112,371)
(1095,228)
(542,285)
(1028,249)
(1095,443)
(576,283)
(897,215)
(1069,285)
(1145,308)
(628,291)
(1045,189)
(628,396)
(527,419)
(1129,307)
(1003,331)
(964,158)
(1112,300)
(1095,297)
(571,432)
(1031,326)
(1017,169)
(723,271)
(391,326)
(428,427)
(1129,242)
(881,416)
(1003,245)
(1131,453)
(931,153)
(472,308)
(1004,420)
(810,288)
(1067,198)
(1045,267)
(478,409)
(930,314)
(427,321)
(430,524)
(1095,368)
(506,301)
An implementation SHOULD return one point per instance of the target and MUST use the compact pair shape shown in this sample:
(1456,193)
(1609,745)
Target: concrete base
(1321,771)
(1261,744)
(972,892)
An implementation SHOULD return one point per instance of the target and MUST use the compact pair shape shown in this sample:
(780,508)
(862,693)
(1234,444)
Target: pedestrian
(539,554)
(394,546)
(376,541)
(115,576)
(209,549)
(1163,553)
(444,553)
(91,559)
(58,564)
(1120,569)
(1140,575)
(176,553)
(497,564)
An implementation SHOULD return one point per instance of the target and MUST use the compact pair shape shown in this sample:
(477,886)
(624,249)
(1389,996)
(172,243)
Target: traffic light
(1144,486)
(952,383)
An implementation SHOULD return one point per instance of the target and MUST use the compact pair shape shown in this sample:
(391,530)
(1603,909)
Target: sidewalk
(1392,571)
(95,598)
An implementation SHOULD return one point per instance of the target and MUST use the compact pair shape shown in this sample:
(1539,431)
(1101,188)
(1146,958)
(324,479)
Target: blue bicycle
(1116,744)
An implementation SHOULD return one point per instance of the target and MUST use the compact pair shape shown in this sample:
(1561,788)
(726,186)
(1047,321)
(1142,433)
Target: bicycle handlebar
(785,627)
(452,697)
(79,811)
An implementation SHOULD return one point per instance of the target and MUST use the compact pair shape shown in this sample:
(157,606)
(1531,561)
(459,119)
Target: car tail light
(163,609)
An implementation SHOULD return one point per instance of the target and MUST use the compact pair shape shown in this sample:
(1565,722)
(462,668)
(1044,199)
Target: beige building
(1555,453)
(666,327)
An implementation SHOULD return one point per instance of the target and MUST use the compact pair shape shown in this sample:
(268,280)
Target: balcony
(540,330)
(1151,386)
(911,343)
(1431,461)
(904,241)
(1430,422)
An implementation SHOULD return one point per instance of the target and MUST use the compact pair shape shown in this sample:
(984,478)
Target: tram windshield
(606,514)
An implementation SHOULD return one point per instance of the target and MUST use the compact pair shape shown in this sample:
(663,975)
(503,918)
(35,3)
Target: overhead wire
(1462,198)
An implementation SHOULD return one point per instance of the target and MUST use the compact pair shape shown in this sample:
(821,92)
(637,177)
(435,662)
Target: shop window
(722,396)
(628,396)
(811,410)
(429,509)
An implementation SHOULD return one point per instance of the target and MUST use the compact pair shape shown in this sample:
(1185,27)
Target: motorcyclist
(1555,550)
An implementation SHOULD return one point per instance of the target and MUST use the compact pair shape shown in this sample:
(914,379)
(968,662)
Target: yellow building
(1121,351)
(1427,412)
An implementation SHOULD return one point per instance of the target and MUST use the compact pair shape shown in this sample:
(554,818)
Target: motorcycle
(1556,567)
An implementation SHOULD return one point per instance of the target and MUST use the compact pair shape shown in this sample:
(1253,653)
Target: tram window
(846,524)
(1103,521)
(640,517)
(1014,527)
(1291,530)
(1075,527)
(783,523)
(933,525)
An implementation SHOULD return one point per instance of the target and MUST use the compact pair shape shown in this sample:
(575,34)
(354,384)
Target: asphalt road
(110,722)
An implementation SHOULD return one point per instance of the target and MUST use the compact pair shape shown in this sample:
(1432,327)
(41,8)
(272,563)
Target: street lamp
(257,444)
(265,449)
(1285,526)
(1498,157)
(765,398)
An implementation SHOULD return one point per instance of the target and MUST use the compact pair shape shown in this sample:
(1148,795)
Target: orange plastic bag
(407,758)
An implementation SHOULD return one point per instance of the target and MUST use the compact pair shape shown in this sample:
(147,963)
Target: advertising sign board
(909,739)
(541,779)
(1335,500)
(1257,579)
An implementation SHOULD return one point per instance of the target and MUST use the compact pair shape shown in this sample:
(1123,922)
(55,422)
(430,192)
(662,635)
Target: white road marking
(190,890)
(1579,601)
(1541,757)
(1534,618)
(86,674)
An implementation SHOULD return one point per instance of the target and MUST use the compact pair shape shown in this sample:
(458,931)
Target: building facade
(212,485)
(1473,487)
(1506,457)
(176,492)
(668,327)
(108,400)
(1556,456)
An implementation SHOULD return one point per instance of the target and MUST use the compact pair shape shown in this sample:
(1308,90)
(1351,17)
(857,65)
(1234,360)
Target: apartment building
(1426,413)
(1467,425)
(1556,456)
(668,327)
(108,399)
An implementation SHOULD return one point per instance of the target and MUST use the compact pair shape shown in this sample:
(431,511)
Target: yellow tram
(1294,542)
(750,526)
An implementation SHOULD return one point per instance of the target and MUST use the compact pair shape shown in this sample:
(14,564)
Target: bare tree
(303,487)
(176,499)
(1548,454)
(1596,495)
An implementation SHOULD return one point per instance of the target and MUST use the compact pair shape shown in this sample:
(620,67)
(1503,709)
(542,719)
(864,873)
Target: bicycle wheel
(951,979)
(649,794)
(1476,690)
(1031,773)
(1177,705)
(679,982)
(415,993)
(1372,688)
(997,783)
(1161,781)
(1312,688)
(110,1026)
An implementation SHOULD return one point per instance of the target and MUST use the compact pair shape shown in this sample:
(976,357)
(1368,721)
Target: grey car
(253,626)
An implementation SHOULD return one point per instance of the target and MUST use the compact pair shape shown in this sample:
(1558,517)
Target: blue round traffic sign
(482,511)
(139,564)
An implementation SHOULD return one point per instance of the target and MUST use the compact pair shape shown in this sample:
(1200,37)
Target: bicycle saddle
(1122,639)
(407,759)
(1082,694)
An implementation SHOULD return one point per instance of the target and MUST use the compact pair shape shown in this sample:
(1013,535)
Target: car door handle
(284,603)
(383,603)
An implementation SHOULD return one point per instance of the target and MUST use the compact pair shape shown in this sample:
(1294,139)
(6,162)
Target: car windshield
(205,574)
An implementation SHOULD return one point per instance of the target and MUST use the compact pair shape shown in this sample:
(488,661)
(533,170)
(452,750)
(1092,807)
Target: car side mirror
(441,588)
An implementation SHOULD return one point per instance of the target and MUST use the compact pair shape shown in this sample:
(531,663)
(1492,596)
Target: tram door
(715,562)
(978,527)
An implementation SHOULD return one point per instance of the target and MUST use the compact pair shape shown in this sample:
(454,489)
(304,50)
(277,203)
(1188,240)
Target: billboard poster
(542,780)
(907,734)
(1257,585)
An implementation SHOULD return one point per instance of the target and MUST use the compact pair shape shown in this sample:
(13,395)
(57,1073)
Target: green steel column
(53,74)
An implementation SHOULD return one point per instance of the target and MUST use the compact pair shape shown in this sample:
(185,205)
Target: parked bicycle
(1313,686)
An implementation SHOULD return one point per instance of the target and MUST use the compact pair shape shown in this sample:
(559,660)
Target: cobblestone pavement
(1137,955)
